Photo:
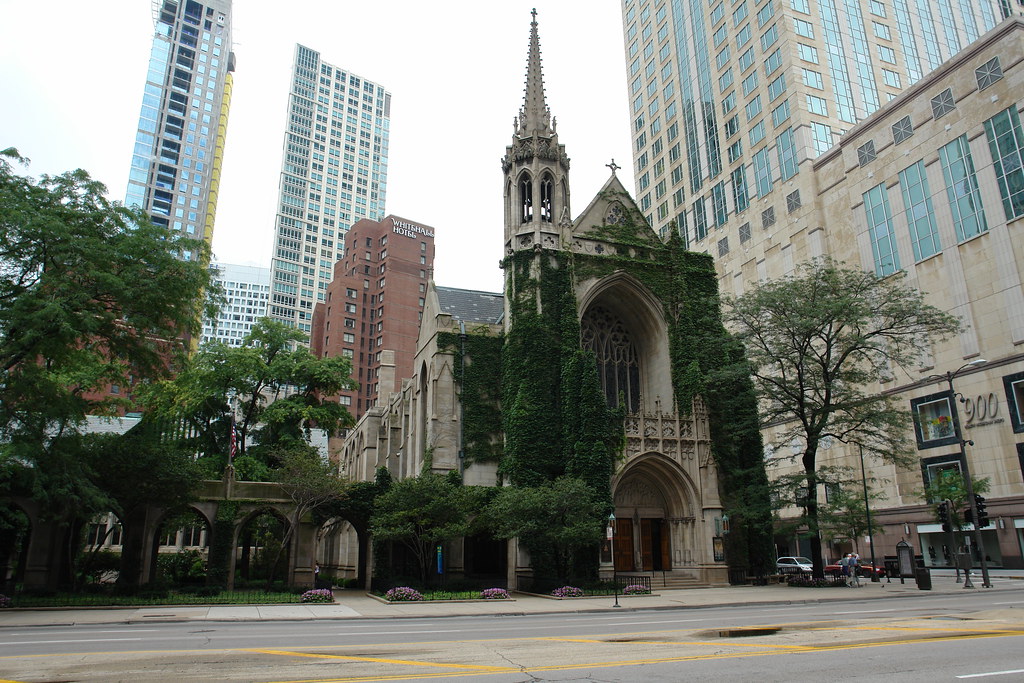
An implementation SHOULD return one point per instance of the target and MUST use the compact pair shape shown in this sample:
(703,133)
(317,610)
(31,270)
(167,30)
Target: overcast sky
(72,73)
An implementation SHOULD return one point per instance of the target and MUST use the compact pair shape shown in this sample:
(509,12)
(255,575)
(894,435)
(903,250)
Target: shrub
(318,595)
(4,601)
(494,594)
(636,589)
(568,592)
(807,581)
(403,594)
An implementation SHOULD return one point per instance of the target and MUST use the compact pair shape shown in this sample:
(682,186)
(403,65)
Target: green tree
(950,485)
(311,482)
(556,522)
(818,343)
(279,388)
(357,508)
(137,471)
(422,512)
(844,515)
(91,294)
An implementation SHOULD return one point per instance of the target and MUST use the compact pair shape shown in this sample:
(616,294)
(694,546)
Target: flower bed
(807,581)
(403,594)
(636,589)
(567,592)
(494,594)
(318,595)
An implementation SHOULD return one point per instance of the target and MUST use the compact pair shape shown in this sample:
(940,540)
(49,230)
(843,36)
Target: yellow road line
(658,660)
(381,660)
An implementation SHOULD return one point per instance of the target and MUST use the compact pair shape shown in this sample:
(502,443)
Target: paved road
(914,636)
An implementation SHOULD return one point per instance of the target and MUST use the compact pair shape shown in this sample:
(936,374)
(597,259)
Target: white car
(793,565)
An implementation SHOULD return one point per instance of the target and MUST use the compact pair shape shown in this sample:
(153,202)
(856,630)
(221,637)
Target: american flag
(234,445)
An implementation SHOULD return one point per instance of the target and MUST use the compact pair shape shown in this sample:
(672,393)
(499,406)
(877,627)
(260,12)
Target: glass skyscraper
(179,144)
(727,98)
(333,173)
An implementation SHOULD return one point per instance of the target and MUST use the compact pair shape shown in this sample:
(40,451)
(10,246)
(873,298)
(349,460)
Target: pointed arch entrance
(653,515)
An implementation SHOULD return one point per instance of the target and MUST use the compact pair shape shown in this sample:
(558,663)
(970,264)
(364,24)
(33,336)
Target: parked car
(864,570)
(793,565)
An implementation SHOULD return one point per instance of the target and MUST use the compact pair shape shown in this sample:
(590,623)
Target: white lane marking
(639,623)
(993,673)
(78,640)
(386,633)
(1012,602)
(75,633)
(869,611)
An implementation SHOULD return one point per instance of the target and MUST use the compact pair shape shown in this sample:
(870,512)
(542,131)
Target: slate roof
(470,305)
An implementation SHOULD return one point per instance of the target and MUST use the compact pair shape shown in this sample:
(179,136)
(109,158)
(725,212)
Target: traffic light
(943,510)
(979,505)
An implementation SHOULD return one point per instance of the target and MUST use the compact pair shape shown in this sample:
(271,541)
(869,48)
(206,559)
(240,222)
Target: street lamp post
(955,414)
(611,545)
(867,511)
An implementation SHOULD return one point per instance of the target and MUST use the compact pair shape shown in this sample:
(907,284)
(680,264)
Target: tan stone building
(932,185)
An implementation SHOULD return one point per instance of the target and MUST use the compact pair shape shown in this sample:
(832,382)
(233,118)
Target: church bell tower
(536,169)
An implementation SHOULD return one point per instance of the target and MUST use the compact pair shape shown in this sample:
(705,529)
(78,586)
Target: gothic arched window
(525,199)
(618,364)
(547,190)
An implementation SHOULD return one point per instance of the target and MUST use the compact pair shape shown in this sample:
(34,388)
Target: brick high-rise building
(375,304)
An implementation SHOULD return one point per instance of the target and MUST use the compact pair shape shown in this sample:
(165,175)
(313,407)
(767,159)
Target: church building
(499,392)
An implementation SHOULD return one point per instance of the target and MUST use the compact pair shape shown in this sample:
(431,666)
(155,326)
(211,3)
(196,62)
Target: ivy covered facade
(605,360)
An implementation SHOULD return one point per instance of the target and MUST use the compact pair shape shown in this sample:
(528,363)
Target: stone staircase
(660,581)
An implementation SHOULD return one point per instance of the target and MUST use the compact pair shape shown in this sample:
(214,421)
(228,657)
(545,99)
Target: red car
(864,570)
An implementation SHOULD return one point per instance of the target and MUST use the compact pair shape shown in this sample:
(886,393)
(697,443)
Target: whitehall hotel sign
(410,230)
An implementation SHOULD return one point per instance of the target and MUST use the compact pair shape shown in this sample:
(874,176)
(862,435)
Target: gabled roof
(591,223)
(471,305)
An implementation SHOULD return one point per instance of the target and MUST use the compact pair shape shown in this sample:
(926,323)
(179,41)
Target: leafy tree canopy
(91,294)
(818,344)
(950,485)
(279,387)
(555,521)
(420,512)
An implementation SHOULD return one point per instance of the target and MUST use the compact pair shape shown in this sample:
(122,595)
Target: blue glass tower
(179,144)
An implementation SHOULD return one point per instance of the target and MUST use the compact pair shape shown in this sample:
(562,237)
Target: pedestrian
(844,567)
(854,566)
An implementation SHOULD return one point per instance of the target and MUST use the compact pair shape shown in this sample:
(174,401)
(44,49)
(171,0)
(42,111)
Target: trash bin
(892,567)
(924,578)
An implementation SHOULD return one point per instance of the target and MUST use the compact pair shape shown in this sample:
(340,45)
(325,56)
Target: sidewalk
(358,605)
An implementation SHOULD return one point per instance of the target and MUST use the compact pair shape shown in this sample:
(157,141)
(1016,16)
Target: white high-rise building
(247,295)
(333,173)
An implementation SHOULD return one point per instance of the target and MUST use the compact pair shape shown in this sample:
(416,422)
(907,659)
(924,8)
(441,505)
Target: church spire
(534,117)
(536,169)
